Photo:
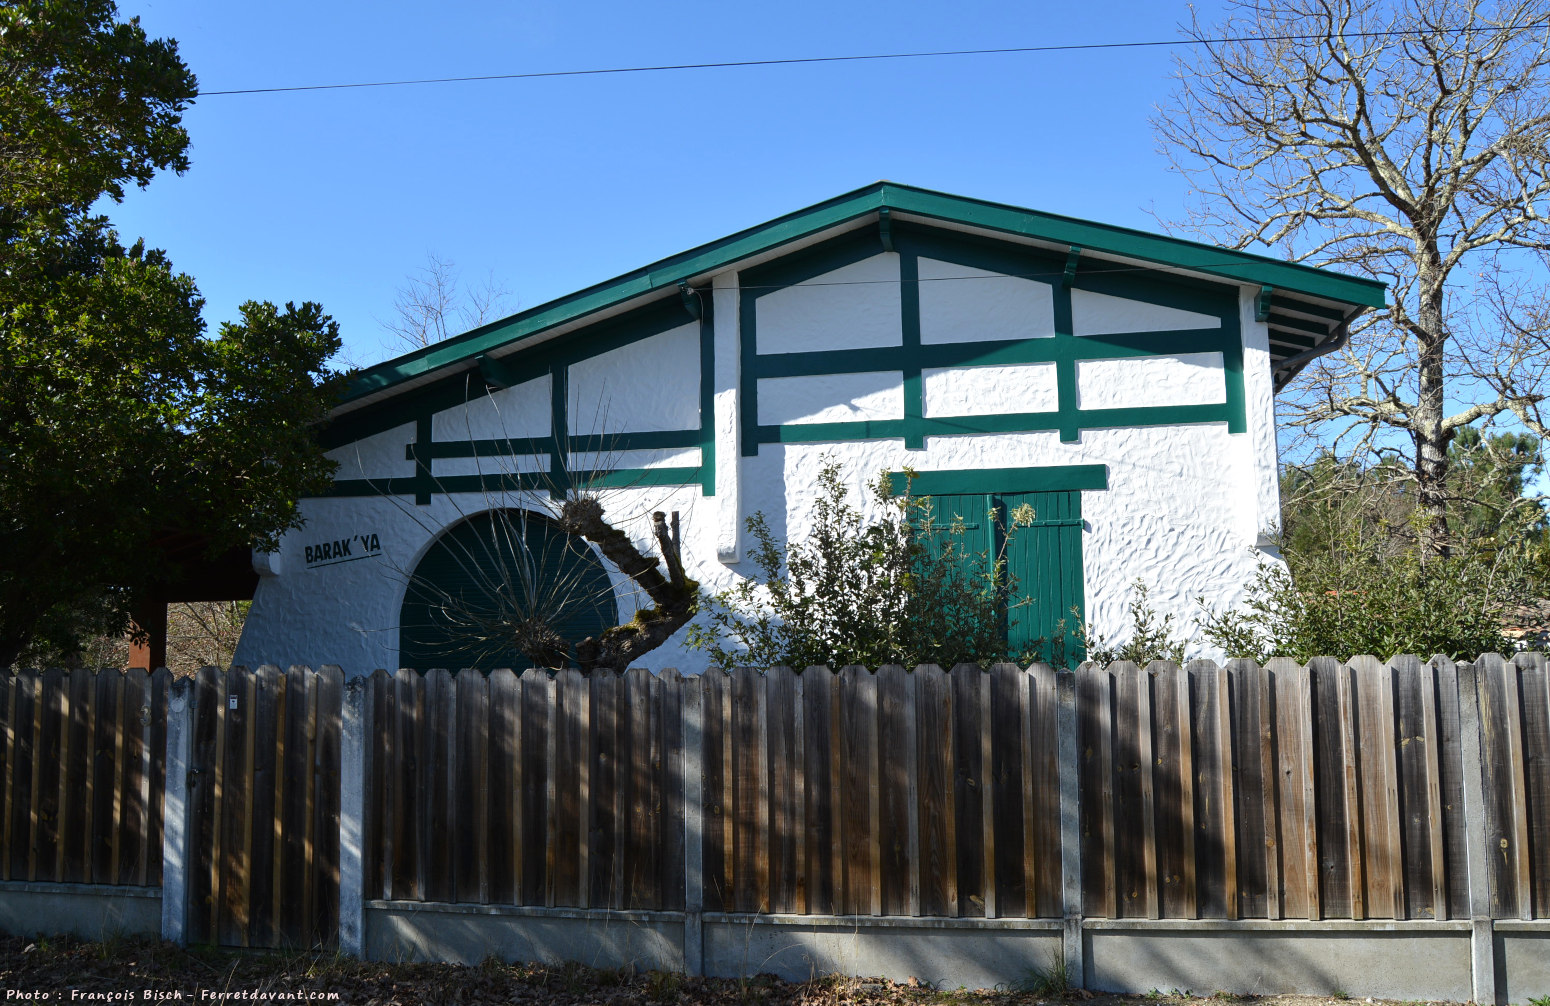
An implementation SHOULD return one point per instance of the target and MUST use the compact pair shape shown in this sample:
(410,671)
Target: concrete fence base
(87,911)
(1395,960)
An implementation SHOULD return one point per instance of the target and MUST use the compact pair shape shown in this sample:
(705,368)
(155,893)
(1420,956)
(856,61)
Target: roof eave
(662,278)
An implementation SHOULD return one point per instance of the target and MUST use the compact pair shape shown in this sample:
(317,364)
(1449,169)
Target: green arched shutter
(493,578)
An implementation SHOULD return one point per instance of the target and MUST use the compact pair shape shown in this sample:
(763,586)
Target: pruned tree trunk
(676,596)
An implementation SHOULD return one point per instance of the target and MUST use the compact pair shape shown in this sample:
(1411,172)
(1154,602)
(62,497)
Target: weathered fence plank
(969,791)
(1534,695)
(1215,817)
(1041,794)
(820,772)
(937,816)
(1094,700)
(1007,716)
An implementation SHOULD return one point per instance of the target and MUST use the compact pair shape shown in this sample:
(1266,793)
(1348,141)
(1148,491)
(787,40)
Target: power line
(809,60)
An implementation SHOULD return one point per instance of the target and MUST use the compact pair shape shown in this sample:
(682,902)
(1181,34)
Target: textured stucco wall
(962,304)
(860,300)
(518,411)
(379,456)
(652,384)
(1184,511)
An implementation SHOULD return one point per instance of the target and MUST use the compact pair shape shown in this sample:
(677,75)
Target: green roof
(665,275)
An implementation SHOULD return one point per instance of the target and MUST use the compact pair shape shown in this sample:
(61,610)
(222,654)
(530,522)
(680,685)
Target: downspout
(1293,365)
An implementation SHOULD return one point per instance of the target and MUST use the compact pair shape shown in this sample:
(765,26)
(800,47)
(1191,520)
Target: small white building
(1121,382)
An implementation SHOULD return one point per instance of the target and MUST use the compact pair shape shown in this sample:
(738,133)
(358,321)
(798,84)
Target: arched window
(504,588)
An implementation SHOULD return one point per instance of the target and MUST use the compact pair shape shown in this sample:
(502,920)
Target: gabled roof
(1309,304)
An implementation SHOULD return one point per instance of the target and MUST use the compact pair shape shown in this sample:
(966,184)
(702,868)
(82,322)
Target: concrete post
(1067,751)
(692,772)
(352,816)
(175,852)
(1477,854)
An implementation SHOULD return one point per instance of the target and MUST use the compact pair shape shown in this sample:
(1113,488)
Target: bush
(858,592)
(1360,603)
(1151,637)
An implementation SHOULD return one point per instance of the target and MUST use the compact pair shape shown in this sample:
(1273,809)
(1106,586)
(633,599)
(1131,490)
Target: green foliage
(864,592)
(86,103)
(1360,604)
(1359,579)
(120,419)
(1151,638)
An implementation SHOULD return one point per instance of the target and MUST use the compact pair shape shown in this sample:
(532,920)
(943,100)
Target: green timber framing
(554,360)
(413,387)
(1062,272)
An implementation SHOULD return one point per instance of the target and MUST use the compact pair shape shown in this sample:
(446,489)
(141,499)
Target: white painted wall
(1170,517)
(521,410)
(831,398)
(988,391)
(852,307)
(727,343)
(1102,314)
(379,456)
(667,457)
(650,384)
(1184,379)
(346,613)
(962,304)
(495,464)
(1260,408)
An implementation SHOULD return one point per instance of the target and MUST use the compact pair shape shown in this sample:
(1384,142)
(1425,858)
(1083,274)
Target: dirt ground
(124,971)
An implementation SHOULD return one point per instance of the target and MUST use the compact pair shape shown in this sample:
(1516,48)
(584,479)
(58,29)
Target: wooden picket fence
(81,764)
(894,793)
(1326,791)
(529,790)
(264,807)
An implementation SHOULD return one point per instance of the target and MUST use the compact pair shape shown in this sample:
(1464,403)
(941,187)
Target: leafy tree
(120,419)
(861,592)
(1490,494)
(1408,140)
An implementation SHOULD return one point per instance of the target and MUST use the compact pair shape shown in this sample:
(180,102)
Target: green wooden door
(1039,534)
(495,580)
(1044,559)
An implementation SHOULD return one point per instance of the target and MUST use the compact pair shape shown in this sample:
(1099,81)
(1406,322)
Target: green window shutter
(967,518)
(1043,560)
(490,575)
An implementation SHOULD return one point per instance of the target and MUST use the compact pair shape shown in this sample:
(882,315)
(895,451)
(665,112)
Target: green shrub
(1361,603)
(861,592)
(1151,637)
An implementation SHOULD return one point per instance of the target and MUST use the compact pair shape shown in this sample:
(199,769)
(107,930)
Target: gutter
(1293,365)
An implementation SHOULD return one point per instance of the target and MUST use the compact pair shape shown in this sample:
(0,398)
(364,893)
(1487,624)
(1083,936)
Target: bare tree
(1408,140)
(433,303)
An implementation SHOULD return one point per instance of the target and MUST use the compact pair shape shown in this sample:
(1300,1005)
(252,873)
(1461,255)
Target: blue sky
(550,185)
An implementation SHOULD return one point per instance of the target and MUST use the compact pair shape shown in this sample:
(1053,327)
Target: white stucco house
(1121,382)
